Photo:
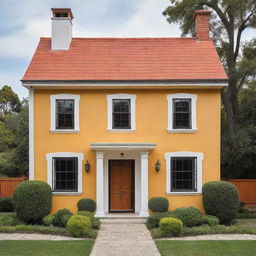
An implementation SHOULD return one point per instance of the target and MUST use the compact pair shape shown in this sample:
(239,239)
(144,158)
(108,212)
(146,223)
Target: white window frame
(170,99)
(110,99)
(199,165)
(80,158)
(53,99)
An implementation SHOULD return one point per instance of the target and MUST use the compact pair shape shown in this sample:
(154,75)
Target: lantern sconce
(87,166)
(157,166)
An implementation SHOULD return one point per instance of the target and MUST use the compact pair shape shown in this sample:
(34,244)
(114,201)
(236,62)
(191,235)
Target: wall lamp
(87,166)
(157,166)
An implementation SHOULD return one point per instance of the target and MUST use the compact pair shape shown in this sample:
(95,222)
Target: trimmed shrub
(158,204)
(32,201)
(210,220)
(153,220)
(170,226)
(6,204)
(61,217)
(48,220)
(221,199)
(6,220)
(95,221)
(86,213)
(79,226)
(190,216)
(86,204)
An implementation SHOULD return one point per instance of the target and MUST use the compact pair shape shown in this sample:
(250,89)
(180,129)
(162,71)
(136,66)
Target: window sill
(182,130)
(67,193)
(183,193)
(121,130)
(65,131)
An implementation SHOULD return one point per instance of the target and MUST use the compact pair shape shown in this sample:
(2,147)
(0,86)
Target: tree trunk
(229,97)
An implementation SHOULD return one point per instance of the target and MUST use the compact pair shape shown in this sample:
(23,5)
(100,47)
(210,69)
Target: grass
(206,248)
(46,248)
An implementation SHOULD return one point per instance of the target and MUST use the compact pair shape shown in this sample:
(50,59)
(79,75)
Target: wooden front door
(121,185)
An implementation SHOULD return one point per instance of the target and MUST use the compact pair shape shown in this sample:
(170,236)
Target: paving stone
(123,239)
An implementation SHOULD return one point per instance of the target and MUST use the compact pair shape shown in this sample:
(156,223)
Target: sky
(23,22)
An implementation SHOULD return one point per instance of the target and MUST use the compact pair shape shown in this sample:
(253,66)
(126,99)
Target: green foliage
(6,204)
(48,220)
(221,199)
(190,216)
(32,201)
(61,217)
(6,220)
(246,215)
(158,204)
(153,220)
(79,226)
(95,221)
(171,226)
(86,204)
(210,220)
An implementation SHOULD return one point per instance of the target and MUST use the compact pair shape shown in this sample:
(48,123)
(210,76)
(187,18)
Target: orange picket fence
(247,190)
(8,185)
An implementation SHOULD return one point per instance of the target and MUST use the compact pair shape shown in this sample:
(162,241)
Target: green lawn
(206,248)
(46,248)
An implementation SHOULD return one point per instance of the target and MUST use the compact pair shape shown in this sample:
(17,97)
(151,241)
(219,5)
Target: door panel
(121,185)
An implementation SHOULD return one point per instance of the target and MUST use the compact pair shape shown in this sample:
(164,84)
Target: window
(181,113)
(184,172)
(65,113)
(65,172)
(121,112)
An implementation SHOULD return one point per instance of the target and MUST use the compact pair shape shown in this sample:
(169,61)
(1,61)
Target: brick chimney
(202,18)
(61,28)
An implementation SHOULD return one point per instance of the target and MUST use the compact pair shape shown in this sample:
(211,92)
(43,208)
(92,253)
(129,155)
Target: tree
(9,101)
(230,18)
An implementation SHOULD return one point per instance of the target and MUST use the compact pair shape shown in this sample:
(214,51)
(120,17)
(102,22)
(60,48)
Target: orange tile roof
(124,59)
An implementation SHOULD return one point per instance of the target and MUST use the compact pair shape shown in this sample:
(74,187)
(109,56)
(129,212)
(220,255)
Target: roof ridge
(131,38)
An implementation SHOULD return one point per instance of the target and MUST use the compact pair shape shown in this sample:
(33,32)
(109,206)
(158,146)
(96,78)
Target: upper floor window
(65,113)
(184,172)
(181,113)
(121,112)
(65,172)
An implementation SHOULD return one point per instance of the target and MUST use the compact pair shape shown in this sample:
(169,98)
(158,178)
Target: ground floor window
(184,172)
(65,172)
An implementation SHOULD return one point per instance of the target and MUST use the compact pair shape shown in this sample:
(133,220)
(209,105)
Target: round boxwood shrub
(32,201)
(86,204)
(221,199)
(170,226)
(6,204)
(153,220)
(211,220)
(6,220)
(48,220)
(190,216)
(61,217)
(95,221)
(79,225)
(158,204)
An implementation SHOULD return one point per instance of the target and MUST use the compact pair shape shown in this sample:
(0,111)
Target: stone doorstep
(123,220)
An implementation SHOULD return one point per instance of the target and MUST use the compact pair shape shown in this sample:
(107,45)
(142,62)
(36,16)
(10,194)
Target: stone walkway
(214,237)
(117,239)
(19,236)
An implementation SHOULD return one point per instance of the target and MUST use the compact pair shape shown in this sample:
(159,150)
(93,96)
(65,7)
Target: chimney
(61,28)
(202,18)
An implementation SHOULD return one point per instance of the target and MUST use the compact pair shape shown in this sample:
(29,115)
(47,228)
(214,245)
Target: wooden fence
(8,185)
(247,190)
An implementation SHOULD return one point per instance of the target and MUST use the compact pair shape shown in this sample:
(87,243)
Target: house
(121,120)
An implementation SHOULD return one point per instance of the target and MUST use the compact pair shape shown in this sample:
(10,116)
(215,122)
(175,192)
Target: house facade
(121,120)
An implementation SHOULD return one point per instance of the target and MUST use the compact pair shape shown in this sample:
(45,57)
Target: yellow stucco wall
(151,126)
